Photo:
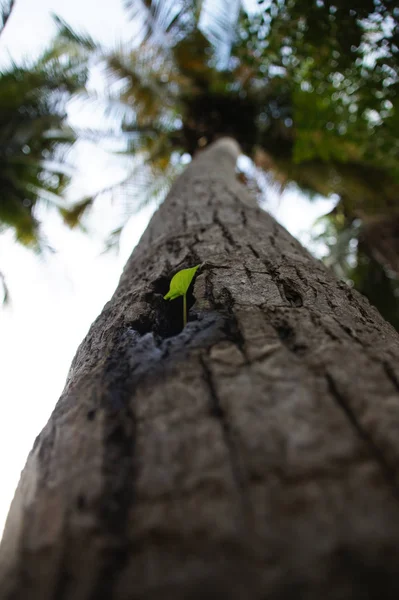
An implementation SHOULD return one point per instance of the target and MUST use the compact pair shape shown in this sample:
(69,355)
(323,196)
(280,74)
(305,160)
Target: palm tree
(239,455)
(309,92)
(279,92)
(35,138)
(249,453)
(310,104)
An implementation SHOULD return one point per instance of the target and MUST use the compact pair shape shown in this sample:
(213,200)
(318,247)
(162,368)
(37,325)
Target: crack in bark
(118,467)
(387,470)
(209,291)
(287,335)
(356,301)
(225,232)
(353,336)
(193,254)
(293,297)
(232,328)
(303,278)
(173,246)
(225,305)
(254,252)
(286,287)
(273,270)
(317,320)
(184,219)
(349,332)
(386,366)
(391,374)
(248,272)
(125,368)
(217,411)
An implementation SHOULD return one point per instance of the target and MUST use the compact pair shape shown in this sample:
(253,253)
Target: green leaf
(180,283)
(72,216)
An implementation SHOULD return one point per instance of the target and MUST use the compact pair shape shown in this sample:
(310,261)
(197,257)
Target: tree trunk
(251,455)
(382,237)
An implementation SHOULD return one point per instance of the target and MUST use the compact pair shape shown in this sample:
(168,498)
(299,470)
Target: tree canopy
(308,89)
(34,139)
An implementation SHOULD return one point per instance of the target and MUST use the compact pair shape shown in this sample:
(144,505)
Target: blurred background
(104,102)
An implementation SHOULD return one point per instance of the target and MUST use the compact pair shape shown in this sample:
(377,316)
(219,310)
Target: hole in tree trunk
(168,314)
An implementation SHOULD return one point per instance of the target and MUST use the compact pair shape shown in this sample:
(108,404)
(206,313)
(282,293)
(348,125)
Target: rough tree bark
(252,455)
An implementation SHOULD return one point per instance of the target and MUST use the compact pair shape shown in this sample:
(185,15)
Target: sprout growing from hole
(178,287)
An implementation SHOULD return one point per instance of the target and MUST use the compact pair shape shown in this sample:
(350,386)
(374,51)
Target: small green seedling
(178,287)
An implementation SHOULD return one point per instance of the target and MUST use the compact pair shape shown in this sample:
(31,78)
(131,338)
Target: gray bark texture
(252,455)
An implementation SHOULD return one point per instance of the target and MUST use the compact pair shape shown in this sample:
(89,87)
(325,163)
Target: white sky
(55,299)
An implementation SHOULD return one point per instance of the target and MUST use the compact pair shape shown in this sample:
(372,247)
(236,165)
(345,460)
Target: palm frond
(34,138)
(112,243)
(6,7)
(67,34)
(5,291)
(73,216)
(168,22)
(164,22)
(142,90)
(219,22)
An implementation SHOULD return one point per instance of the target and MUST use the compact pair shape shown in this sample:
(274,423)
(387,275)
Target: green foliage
(310,84)
(35,138)
(76,42)
(308,89)
(353,258)
(179,285)
(73,216)
(181,282)
(377,283)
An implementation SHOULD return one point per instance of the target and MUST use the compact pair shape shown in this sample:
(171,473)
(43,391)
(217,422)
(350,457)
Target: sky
(55,298)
